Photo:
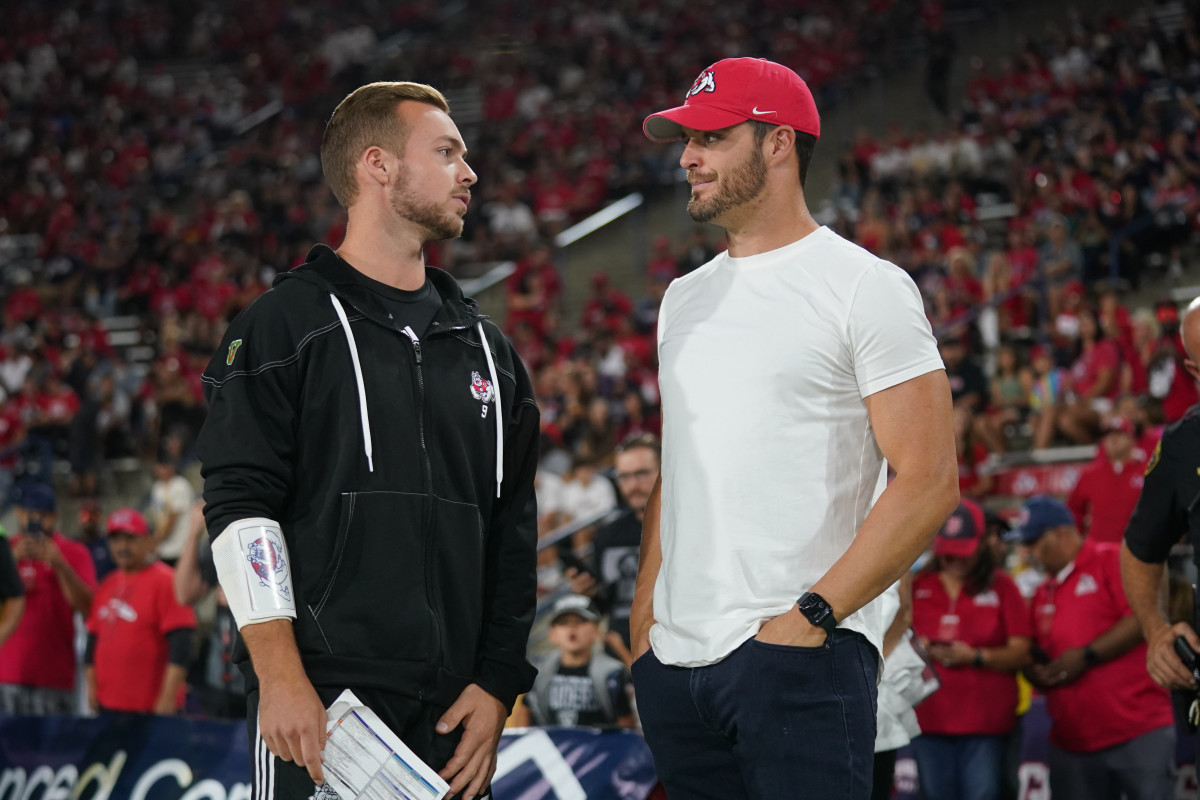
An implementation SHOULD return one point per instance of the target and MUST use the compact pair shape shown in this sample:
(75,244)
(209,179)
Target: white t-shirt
(769,463)
(582,500)
(173,497)
(548,488)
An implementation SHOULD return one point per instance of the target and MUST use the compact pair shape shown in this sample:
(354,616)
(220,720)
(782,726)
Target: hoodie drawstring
(358,377)
(362,394)
(487,351)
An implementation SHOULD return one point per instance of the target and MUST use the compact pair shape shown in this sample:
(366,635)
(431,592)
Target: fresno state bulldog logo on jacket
(267,560)
(482,390)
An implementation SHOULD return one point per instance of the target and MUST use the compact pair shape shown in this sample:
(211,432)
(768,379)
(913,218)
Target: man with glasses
(615,547)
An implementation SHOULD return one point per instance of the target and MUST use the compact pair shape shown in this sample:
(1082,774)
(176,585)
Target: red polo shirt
(971,701)
(1112,702)
(131,617)
(41,651)
(1086,369)
(1104,498)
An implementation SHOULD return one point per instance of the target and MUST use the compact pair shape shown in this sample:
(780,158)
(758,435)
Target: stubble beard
(739,186)
(439,223)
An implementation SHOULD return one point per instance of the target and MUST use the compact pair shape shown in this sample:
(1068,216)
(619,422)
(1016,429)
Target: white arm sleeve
(254,569)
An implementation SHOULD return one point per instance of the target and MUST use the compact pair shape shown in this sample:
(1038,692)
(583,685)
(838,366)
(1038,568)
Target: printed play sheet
(364,760)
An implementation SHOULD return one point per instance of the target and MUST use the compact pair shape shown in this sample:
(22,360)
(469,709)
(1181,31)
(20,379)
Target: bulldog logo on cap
(707,82)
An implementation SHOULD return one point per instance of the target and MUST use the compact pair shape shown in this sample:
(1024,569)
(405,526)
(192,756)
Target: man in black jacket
(368,464)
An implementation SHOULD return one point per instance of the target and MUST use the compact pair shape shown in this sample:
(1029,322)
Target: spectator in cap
(12,591)
(972,619)
(37,663)
(1108,489)
(778,358)
(1112,731)
(576,685)
(139,635)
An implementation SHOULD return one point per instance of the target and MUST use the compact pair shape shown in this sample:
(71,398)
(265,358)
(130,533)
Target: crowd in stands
(160,163)
(1065,180)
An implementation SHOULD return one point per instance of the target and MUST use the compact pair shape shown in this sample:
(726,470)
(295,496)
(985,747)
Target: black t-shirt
(572,699)
(10,580)
(1169,506)
(615,551)
(965,379)
(415,309)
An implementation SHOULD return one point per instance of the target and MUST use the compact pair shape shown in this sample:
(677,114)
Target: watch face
(816,609)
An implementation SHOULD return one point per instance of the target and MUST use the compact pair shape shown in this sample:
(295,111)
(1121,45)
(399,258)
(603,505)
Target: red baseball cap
(734,90)
(127,520)
(960,533)
(1166,312)
(1119,425)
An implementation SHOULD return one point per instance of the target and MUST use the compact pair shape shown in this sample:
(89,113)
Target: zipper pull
(416,342)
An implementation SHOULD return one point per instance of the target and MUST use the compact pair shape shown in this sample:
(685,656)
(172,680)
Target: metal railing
(596,221)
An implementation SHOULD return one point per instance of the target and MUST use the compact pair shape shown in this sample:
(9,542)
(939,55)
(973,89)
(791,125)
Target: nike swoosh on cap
(756,111)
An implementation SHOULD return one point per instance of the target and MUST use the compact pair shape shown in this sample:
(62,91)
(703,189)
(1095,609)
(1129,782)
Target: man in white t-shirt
(794,369)
(171,498)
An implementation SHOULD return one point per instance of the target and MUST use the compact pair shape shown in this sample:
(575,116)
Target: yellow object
(1024,694)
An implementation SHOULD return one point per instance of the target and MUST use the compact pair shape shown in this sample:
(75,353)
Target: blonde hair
(367,118)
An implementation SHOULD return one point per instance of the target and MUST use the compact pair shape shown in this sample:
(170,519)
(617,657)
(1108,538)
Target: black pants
(885,775)
(410,719)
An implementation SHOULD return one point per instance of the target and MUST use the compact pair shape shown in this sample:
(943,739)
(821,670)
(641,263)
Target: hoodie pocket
(459,581)
(371,600)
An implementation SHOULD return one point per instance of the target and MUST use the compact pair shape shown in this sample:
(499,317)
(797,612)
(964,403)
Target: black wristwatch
(817,611)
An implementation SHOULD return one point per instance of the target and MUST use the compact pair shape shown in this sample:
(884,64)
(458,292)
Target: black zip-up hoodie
(409,573)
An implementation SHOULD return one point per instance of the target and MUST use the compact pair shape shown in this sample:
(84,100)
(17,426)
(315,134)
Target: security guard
(1168,508)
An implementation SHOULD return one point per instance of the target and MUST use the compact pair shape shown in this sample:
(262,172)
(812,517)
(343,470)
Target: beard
(430,215)
(740,185)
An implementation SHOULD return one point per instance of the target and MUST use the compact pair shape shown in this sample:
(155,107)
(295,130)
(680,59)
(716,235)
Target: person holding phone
(972,619)
(12,591)
(612,576)
(37,662)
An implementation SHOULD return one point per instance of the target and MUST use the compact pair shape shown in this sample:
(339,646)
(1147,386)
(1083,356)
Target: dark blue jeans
(769,721)
(960,767)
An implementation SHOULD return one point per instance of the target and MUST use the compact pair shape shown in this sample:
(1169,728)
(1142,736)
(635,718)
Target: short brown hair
(805,144)
(367,118)
(644,440)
